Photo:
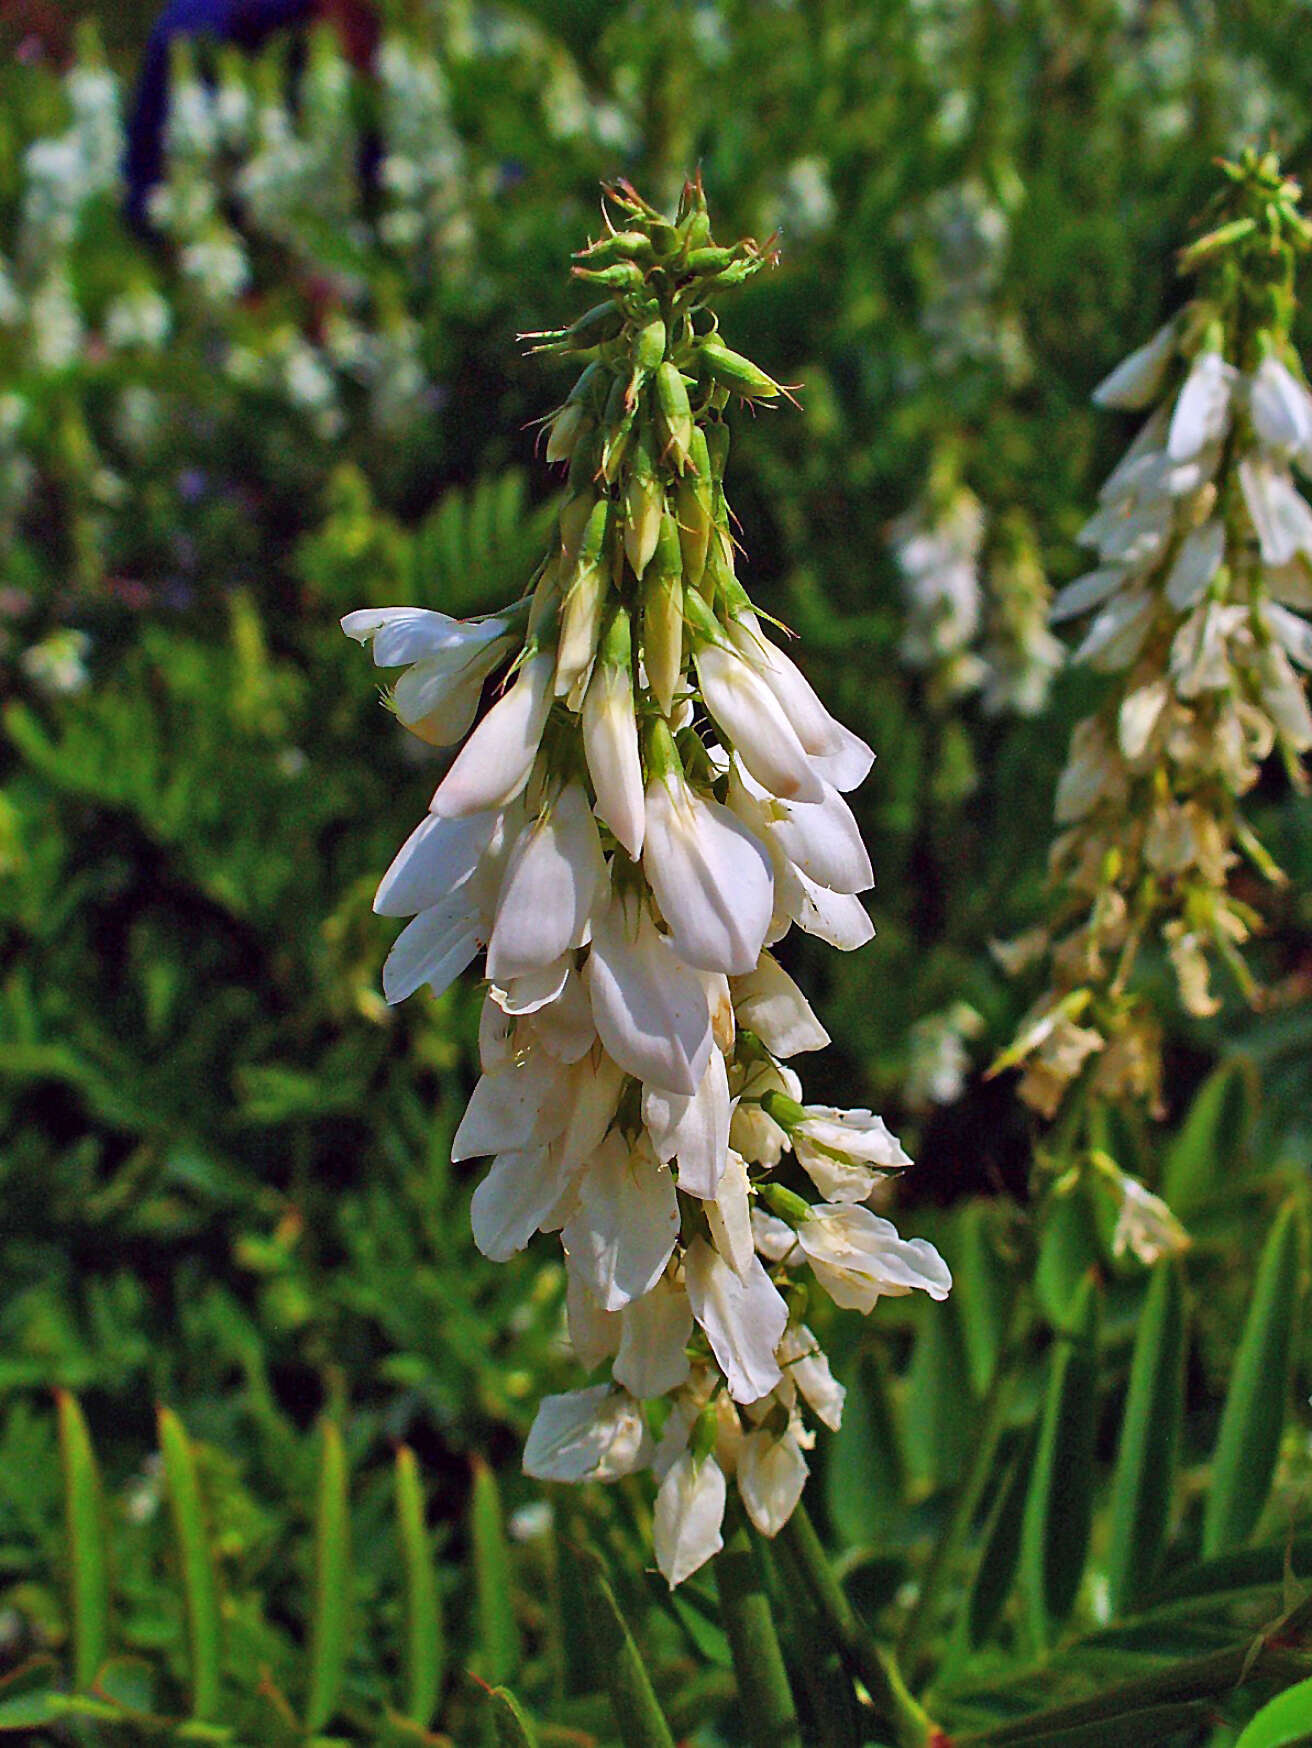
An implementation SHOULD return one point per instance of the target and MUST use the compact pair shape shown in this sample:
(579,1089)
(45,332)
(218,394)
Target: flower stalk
(639,809)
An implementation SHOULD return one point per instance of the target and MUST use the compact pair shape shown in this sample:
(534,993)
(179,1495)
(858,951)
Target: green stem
(763,1690)
(1207,1677)
(869,1662)
(965,1504)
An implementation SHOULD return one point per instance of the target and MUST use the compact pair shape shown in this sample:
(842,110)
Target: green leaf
(332,1582)
(982,1290)
(1206,1151)
(88,1551)
(1068,1249)
(1285,1722)
(27,1695)
(425,1648)
(637,1711)
(1255,1404)
(498,1635)
(1148,1453)
(1059,1501)
(1245,1570)
(514,1726)
(939,1412)
(199,1580)
(995,1569)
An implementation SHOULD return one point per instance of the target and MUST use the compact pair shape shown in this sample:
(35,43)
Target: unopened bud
(572,521)
(693,503)
(662,615)
(568,425)
(619,246)
(623,276)
(644,504)
(581,614)
(674,415)
(734,372)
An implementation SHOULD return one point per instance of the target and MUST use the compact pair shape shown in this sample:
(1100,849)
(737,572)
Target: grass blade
(1255,1404)
(425,1647)
(498,1634)
(514,1726)
(995,1570)
(1059,1501)
(199,1580)
(1148,1453)
(766,1698)
(637,1711)
(88,1549)
(332,1583)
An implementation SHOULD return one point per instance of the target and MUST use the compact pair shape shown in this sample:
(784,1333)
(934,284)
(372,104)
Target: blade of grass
(638,1714)
(88,1551)
(425,1646)
(199,1580)
(332,1582)
(498,1633)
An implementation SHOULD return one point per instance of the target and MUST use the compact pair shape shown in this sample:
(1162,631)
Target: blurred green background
(223,1162)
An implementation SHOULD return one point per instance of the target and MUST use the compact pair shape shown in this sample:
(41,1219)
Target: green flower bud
(662,615)
(644,502)
(693,505)
(594,327)
(734,372)
(619,246)
(623,276)
(674,415)
(584,604)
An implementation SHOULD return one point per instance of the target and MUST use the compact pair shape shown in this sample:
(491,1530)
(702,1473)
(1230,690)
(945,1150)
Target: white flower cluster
(653,799)
(1204,544)
(424,173)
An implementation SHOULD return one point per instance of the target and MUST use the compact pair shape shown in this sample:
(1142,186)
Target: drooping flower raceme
(1197,608)
(650,798)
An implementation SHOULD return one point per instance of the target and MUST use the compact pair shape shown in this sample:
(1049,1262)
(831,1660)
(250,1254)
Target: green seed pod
(644,502)
(732,371)
(693,503)
(662,615)
(674,415)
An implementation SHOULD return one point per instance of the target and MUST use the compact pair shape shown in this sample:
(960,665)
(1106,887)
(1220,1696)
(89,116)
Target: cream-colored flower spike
(1196,604)
(645,800)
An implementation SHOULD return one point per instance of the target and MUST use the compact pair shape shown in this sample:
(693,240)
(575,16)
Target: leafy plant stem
(763,1690)
(965,1505)
(869,1661)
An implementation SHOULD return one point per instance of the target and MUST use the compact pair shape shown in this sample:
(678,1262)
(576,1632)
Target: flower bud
(662,614)
(585,599)
(644,503)
(693,503)
(732,371)
(674,415)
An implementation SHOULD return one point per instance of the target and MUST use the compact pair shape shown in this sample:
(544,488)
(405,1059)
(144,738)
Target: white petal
(747,711)
(692,1130)
(836,917)
(1284,697)
(513,1200)
(1282,519)
(818,731)
(439,856)
(848,766)
(564,1025)
(650,1010)
(857,1257)
(710,877)
(594,1334)
(1135,381)
(1085,592)
(587,1435)
(623,1232)
(494,763)
(1202,409)
(535,990)
(402,635)
(770,1004)
(1196,563)
(434,948)
(1281,407)
(743,1319)
(1289,630)
(804,1361)
(595,1087)
(771,1474)
(1140,712)
(437,699)
(522,1105)
(653,1355)
(610,742)
(688,1516)
(729,1217)
(824,840)
(547,894)
(1118,632)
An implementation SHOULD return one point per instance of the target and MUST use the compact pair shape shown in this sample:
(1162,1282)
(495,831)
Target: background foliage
(224,1163)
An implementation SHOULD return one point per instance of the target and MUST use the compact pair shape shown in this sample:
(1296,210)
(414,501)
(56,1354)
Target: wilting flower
(647,793)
